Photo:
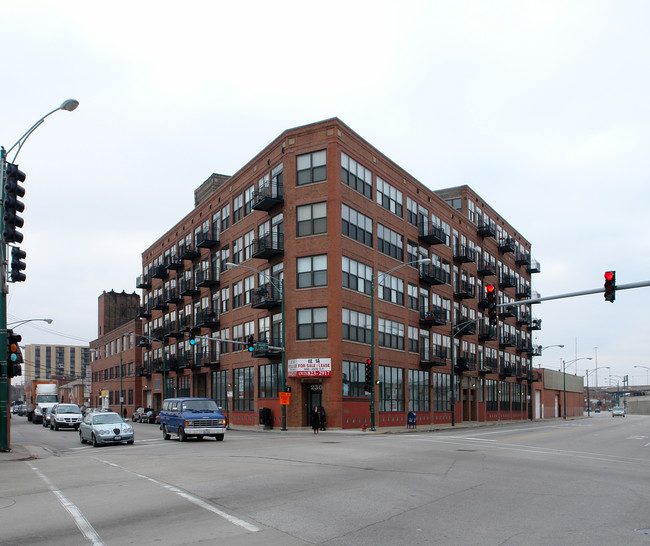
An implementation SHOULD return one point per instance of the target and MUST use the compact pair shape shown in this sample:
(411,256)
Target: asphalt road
(582,481)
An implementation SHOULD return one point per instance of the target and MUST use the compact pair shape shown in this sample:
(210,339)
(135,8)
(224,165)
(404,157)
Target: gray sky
(541,107)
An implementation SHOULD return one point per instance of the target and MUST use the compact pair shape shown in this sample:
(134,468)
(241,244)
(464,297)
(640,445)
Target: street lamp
(647,381)
(67,105)
(283,407)
(587,374)
(17,323)
(164,379)
(564,365)
(372,333)
(530,378)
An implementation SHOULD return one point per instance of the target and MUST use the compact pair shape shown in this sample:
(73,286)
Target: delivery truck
(40,395)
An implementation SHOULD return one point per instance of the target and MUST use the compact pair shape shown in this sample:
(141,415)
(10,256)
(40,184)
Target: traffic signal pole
(4,366)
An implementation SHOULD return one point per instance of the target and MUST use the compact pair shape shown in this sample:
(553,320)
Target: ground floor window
(243,389)
(491,395)
(418,390)
(504,395)
(354,376)
(391,388)
(220,387)
(183,386)
(441,394)
(269,380)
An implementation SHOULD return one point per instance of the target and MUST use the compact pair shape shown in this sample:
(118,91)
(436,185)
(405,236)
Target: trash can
(411,420)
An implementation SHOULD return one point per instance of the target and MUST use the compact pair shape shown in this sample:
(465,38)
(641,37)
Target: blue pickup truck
(192,417)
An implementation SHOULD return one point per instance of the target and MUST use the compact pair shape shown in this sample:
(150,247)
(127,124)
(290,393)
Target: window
(356,225)
(354,376)
(225,217)
(237,250)
(390,289)
(411,211)
(237,208)
(312,323)
(312,219)
(225,299)
(237,295)
(391,388)
(243,389)
(390,242)
(441,392)
(269,380)
(356,326)
(312,271)
(356,176)
(220,387)
(391,334)
(248,200)
(311,167)
(413,301)
(418,390)
(389,197)
(357,276)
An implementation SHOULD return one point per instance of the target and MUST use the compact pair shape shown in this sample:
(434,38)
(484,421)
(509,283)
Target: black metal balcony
(465,363)
(523,318)
(143,281)
(485,268)
(434,357)
(144,342)
(523,291)
(207,239)
(173,262)
(510,311)
(207,357)
(142,371)
(186,359)
(487,333)
(172,296)
(159,304)
(160,272)
(433,275)
(464,254)
(206,319)
(489,365)
(433,316)
(268,197)
(507,281)
(144,311)
(534,267)
(267,348)
(524,346)
(522,258)
(186,287)
(464,290)
(266,296)
(507,244)
(207,277)
(268,246)
(509,370)
(185,323)
(486,229)
(507,340)
(187,252)
(465,327)
(432,234)
(535,324)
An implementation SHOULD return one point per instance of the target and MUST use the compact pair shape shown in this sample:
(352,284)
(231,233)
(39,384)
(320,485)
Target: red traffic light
(369,361)
(489,288)
(609,275)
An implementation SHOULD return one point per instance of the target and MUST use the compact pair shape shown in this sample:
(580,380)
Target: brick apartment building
(314,221)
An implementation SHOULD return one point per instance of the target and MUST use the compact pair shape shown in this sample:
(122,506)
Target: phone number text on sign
(309,367)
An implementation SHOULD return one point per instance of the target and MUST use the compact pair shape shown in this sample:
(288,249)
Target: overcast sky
(541,107)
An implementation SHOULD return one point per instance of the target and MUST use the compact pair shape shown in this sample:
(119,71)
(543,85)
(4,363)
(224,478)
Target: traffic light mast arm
(236,342)
(619,287)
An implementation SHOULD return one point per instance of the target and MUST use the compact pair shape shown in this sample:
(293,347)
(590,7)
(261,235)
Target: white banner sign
(309,367)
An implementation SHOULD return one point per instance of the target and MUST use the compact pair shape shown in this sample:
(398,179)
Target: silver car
(618,411)
(105,428)
(65,416)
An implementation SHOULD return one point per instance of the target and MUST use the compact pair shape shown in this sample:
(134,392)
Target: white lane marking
(188,496)
(82,523)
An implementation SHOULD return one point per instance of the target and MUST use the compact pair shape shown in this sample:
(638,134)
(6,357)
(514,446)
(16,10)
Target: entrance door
(314,398)
(538,404)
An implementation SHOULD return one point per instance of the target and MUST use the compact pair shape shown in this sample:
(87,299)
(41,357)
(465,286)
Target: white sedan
(105,428)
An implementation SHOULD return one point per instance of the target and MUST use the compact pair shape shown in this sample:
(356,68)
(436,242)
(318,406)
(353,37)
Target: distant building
(62,362)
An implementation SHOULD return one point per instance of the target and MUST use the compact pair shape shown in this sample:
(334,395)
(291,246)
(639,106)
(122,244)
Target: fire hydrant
(363,427)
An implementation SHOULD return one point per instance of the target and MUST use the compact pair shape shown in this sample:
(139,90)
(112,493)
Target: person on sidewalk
(315,420)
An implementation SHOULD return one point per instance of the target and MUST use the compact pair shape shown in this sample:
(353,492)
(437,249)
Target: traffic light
(13,205)
(251,344)
(610,286)
(369,370)
(14,354)
(17,264)
(492,303)
(192,337)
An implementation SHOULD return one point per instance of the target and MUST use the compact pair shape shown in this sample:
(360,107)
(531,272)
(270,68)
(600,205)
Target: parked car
(618,411)
(65,415)
(187,417)
(137,414)
(105,428)
(46,417)
(150,417)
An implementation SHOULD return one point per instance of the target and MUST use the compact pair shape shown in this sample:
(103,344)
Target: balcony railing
(433,316)
(485,268)
(487,333)
(507,244)
(267,197)
(522,257)
(464,254)
(206,319)
(187,252)
(172,296)
(432,234)
(207,277)
(186,287)
(434,275)
(143,281)
(159,304)
(486,229)
(266,296)
(160,272)
(465,362)
(534,267)
(464,290)
(173,262)
(268,246)
(489,365)
(207,239)
(507,340)
(465,327)
(144,311)
(507,280)
(437,355)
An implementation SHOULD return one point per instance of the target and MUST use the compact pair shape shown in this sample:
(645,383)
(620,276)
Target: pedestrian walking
(315,420)
(322,417)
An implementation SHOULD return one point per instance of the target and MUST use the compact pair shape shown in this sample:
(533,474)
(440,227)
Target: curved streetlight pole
(283,381)
(17,323)
(647,381)
(68,105)
(372,331)
(564,365)
(587,375)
